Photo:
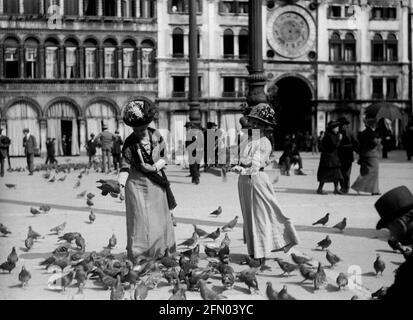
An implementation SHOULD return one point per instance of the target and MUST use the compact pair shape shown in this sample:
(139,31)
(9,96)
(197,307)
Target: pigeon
(90,195)
(117,292)
(191,241)
(214,235)
(11,186)
(53,179)
(63,178)
(320,280)
(179,295)
(92,217)
(28,243)
(45,208)
(89,203)
(341,225)
(380,294)
(271,293)
(394,244)
(168,261)
(341,280)
(211,252)
(226,241)
(228,279)
(24,276)
(58,229)
(379,265)
(80,243)
(325,243)
(12,257)
(300,259)
(286,267)
(230,225)
(216,212)
(60,280)
(141,291)
(47,175)
(77,184)
(34,211)
(201,233)
(332,258)
(4,230)
(194,275)
(284,295)
(8,266)
(307,273)
(208,293)
(108,186)
(82,194)
(112,241)
(323,220)
(80,275)
(69,236)
(33,234)
(248,277)
(251,262)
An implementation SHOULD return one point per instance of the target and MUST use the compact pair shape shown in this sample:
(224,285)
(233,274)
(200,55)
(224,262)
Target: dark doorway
(294,114)
(67,137)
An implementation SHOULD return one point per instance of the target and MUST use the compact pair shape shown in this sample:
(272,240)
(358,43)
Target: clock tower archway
(294,111)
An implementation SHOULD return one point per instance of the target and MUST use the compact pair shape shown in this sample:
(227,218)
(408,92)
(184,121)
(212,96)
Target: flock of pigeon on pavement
(185,270)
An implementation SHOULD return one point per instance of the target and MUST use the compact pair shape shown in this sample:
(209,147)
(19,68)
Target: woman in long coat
(329,167)
(266,228)
(368,180)
(148,196)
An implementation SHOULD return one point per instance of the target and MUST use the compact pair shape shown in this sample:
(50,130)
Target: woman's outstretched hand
(237,169)
(160,164)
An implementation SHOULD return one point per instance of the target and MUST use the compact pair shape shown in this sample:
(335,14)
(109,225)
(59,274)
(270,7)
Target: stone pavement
(357,245)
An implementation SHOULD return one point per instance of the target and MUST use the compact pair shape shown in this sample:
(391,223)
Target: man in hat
(30,146)
(106,139)
(395,209)
(91,148)
(210,157)
(4,146)
(194,144)
(346,150)
(117,150)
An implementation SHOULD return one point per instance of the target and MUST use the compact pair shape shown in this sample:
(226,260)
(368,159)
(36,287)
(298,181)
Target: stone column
(236,46)
(1,6)
(21,6)
(21,61)
(81,59)
(119,8)
(62,7)
(144,9)
(43,136)
(41,59)
(186,44)
(101,63)
(81,9)
(100,8)
(194,115)
(41,4)
(82,133)
(137,8)
(257,78)
(1,59)
(62,62)
(119,59)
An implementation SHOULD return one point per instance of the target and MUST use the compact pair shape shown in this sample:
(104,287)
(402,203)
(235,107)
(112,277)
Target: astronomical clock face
(291,31)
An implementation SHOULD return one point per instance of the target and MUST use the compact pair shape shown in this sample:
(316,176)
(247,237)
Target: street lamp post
(257,77)
(193,96)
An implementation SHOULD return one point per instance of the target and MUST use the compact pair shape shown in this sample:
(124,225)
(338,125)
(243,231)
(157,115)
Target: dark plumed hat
(263,112)
(139,112)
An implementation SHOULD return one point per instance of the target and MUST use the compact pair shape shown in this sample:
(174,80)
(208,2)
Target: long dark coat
(329,167)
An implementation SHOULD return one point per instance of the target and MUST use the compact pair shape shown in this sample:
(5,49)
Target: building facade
(328,59)
(68,66)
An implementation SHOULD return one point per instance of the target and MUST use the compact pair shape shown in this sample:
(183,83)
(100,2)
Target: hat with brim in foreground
(139,112)
(264,113)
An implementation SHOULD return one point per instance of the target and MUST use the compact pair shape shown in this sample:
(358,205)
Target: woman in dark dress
(329,167)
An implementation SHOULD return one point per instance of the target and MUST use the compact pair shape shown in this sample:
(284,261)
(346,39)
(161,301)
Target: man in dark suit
(195,145)
(4,146)
(30,146)
(105,140)
(117,150)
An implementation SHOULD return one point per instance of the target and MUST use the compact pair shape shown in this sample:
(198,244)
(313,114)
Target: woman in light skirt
(266,228)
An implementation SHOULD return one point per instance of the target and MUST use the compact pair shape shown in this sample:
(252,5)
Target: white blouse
(254,155)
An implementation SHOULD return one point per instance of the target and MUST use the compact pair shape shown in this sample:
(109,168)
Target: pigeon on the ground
(141,291)
(323,220)
(92,217)
(77,184)
(45,208)
(53,179)
(320,280)
(61,280)
(62,178)
(332,258)
(307,273)
(58,229)
(24,276)
(380,294)
(251,262)
(11,186)
(4,230)
(191,241)
(8,266)
(112,241)
(90,195)
(216,212)
(226,241)
(208,293)
(179,294)
(201,233)
(82,194)
(34,211)
(80,243)
(89,203)
(341,280)
(300,259)
(214,235)
(284,295)
(108,186)
(341,225)
(271,293)
(13,257)
(285,266)
(28,243)
(211,252)
(69,236)
(228,279)
(230,225)
(248,277)
(33,234)
(117,292)
(325,243)
(379,265)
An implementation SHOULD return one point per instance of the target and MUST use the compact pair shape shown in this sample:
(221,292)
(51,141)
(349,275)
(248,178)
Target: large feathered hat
(139,112)
(263,112)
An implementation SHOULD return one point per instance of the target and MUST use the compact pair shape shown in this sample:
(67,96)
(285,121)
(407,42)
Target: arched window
(52,65)
(377,48)
(349,47)
(335,47)
(391,48)
(98,113)
(90,58)
(228,43)
(71,58)
(109,58)
(90,7)
(109,8)
(148,59)
(11,58)
(30,58)
(243,43)
(129,59)
(178,42)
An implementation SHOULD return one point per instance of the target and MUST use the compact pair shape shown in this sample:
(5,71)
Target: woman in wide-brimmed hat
(266,228)
(329,167)
(148,196)
(369,148)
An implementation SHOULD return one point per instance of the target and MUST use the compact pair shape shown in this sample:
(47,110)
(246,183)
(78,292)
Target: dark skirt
(329,174)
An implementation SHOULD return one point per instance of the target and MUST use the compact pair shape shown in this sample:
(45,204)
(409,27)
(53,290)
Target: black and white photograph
(206,150)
